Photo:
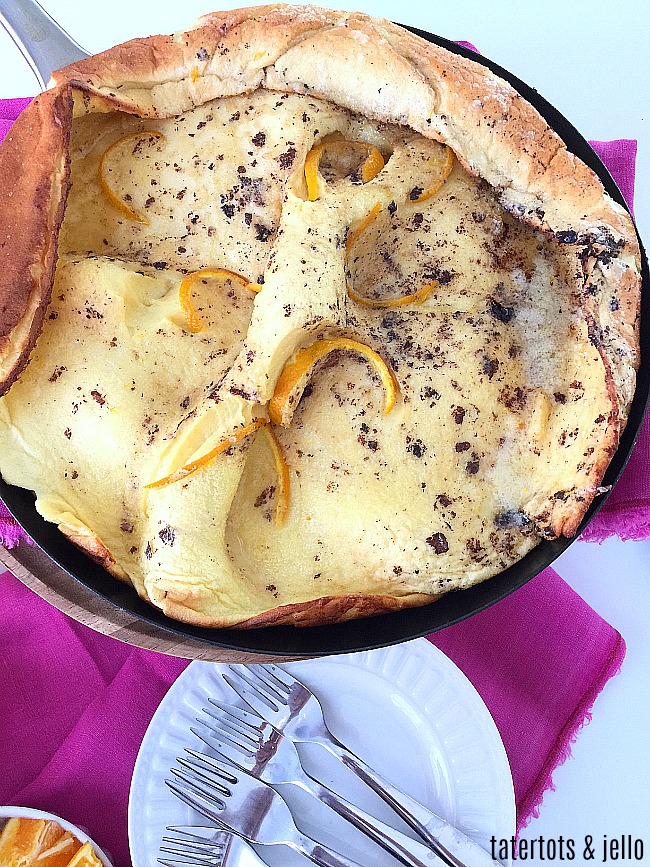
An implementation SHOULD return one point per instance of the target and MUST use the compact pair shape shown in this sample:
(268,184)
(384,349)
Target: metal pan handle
(43,43)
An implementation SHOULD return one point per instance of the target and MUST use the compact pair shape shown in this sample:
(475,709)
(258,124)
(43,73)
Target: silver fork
(203,847)
(253,745)
(294,710)
(246,806)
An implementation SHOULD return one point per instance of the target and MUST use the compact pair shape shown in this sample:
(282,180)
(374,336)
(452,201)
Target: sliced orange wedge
(62,853)
(185,289)
(370,168)
(414,298)
(85,857)
(26,842)
(284,480)
(305,360)
(112,197)
(231,440)
(445,170)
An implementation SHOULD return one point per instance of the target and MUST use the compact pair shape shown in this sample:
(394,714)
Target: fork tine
(273,672)
(189,852)
(252,696)
(203,768)
(195,800)
(237,715)
(231,752)
(185,851)
(187,846)
(214,837)
(222,730)
(199,780)
(193,842)
(245,732)
(254,680)
(267,675)
(183,860)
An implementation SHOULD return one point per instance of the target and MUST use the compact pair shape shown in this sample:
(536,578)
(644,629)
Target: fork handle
(320,854)
(43,43)
(446,841)
(408,851)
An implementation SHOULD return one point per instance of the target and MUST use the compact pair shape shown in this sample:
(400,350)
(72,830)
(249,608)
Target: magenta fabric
(74,708)
(9,111)
(75,704)
(538,659)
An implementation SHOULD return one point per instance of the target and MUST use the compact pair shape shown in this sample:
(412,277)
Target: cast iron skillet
(398,626)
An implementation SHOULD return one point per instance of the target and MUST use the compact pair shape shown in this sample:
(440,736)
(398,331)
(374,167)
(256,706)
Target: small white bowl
(28,813)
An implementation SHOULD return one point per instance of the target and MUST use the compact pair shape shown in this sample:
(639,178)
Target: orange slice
(305,360)
(21,840)
(112,197)
(184,292)
(284,479)
(25,842)
(231,440)
(370,168)
(85,857)
(445,171)
(61,853)
(353,234)
(414,298)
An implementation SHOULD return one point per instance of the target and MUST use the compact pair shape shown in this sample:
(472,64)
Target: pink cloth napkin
(76,704)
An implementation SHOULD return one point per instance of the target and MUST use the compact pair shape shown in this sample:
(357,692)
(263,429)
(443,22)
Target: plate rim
(438,662)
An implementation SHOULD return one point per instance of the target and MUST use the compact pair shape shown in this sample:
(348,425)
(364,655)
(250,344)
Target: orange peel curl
(370,168)
(284,479)
(112,197)
(414,298)
(305,360)
(194,324)
(353,234)
(437,184)
(222,446)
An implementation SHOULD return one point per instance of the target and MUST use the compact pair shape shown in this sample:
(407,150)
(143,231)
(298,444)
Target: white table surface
(591,62)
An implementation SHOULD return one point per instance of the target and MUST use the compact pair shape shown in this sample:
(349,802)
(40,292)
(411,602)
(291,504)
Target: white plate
(79,833)
(407,710)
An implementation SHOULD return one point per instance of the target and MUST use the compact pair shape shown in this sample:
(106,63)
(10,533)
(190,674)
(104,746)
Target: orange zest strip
(231,440)
(284,480)
(185,289)
(370,168)
(446,171)
(306,358)
(414,298)
(112,197)
(353,234)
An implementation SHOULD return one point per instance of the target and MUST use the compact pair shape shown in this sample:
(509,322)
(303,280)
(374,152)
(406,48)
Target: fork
(292,709)
(246,806)
(253,745)
(203,847)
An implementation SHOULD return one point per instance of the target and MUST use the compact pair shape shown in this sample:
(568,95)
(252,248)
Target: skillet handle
(43,43)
